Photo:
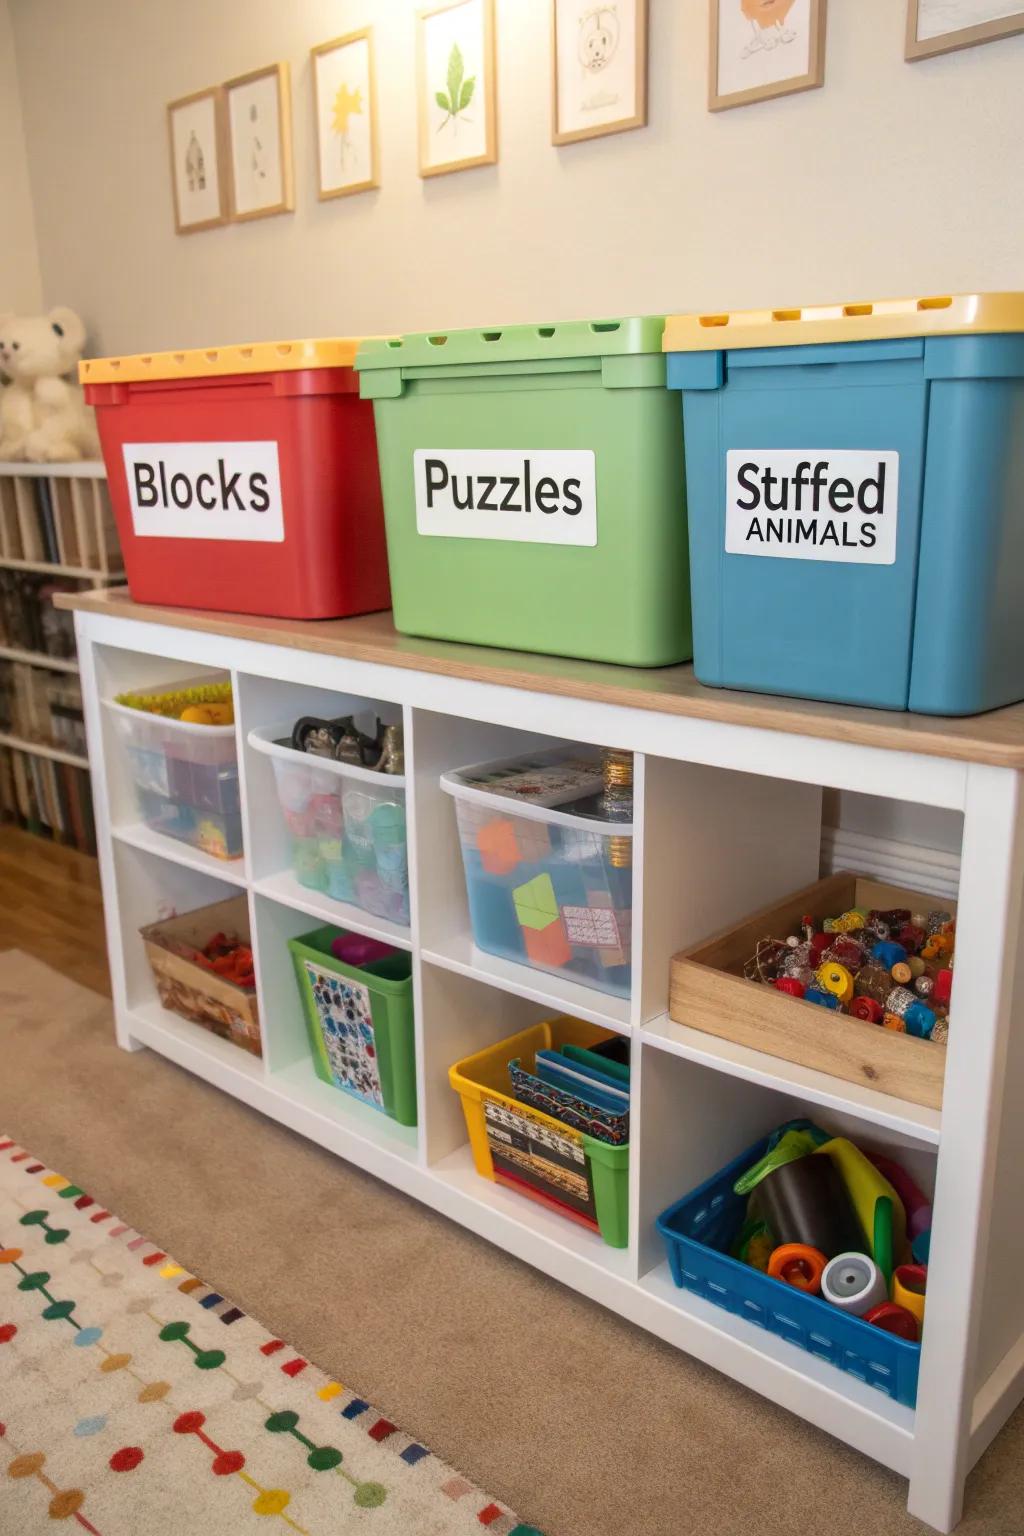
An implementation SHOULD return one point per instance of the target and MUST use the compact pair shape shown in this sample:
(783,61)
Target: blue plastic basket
(698,1232)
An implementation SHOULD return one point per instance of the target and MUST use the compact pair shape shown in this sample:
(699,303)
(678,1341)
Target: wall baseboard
(932,870)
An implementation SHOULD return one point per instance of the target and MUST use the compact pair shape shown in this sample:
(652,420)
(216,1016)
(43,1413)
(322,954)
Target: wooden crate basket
(710,992)
(192,991)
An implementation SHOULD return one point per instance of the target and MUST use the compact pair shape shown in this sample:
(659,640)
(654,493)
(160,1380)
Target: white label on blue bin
(521,495)
(205,491)
(837,504)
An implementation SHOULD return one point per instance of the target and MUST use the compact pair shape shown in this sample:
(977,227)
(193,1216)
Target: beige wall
(895,178)
(19,259)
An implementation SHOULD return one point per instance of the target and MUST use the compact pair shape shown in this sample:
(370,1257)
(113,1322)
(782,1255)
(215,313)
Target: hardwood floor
(51,907)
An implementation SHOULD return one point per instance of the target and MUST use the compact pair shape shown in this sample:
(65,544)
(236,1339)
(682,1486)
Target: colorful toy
(879,1208)
(915,1204)
(853,1283)
(799,1266)
(804,1202)
(853,964)
(909,1283)
(892,1318)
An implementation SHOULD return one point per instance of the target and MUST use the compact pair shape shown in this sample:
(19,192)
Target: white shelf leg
(104,847)
(984,994)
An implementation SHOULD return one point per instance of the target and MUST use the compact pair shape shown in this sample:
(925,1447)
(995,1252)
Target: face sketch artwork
(258,158)
(195,164)
(768,24)
(597,45)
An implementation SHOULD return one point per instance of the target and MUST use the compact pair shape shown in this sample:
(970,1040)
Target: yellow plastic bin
(516,1145)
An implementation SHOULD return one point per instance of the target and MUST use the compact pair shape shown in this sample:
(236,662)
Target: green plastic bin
(360,1023)
(534,489)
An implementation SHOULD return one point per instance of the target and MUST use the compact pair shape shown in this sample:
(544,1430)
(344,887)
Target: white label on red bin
(837,504)
(520,495)
(205,491)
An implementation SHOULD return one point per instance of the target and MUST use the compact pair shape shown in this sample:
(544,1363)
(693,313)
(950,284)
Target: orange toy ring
(799,1265)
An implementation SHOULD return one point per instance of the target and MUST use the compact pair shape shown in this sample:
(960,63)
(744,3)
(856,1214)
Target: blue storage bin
(878,561)
(698,1232)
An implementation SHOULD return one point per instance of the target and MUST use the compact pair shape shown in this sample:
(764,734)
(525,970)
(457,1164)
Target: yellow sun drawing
(346,103)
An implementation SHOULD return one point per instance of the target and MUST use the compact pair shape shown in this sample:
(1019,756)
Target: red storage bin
(244,478)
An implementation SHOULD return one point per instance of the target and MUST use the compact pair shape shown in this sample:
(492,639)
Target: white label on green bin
(521,495)
(835,504)
(205,491)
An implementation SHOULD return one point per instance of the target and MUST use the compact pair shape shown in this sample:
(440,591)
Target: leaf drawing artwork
(461,86)
(347,104)
(455,86)
(345,107)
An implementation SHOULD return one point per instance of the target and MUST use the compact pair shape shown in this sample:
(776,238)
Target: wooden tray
(192,991)
(709,992)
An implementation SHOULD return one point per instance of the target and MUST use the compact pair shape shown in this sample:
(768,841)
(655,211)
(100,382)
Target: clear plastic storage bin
(185,775)
(346,825)
(547,887)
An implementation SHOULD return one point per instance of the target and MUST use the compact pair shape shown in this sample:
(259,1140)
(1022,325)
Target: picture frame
(195,134)
(752,55)
(345,115)
(258,117)
(455,64)
(974,21)
(598,68)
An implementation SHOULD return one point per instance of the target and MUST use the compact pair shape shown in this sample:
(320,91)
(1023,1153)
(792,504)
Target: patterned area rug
(135,1399)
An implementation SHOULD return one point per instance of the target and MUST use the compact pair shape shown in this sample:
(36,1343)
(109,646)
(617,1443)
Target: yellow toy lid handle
(212,362)
(870,320)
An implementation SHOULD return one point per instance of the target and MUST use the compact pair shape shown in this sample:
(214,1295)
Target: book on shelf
(47,797)
(42,707)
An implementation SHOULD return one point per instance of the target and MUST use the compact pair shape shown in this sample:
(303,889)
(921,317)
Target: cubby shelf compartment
(137,835)
(831,1399)
(299,1085)
(457,1172)
(284,887)
(830,1093)
(559,993)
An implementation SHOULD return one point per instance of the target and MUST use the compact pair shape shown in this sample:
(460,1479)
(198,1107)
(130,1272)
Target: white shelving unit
(728,817)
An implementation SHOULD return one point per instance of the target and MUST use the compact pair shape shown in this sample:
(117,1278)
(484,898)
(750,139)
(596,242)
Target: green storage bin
(360,1023)
(534,489)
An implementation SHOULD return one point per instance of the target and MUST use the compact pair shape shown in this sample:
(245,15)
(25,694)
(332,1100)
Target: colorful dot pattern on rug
(134,1400)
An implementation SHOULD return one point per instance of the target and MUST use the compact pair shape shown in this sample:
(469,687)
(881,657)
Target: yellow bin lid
(210,362)
(955,314)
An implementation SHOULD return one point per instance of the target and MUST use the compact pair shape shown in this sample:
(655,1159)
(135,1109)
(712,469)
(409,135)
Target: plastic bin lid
(514,343)
(212,362)
(956,314)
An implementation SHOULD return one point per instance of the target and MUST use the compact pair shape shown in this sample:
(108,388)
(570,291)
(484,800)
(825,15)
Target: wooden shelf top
(996,738)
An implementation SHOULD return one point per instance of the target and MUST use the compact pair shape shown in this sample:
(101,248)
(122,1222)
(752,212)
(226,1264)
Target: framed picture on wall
(345,102)
(195,128)
(764,48)
(259,126)
(599,68)
(939,26)
(455,86)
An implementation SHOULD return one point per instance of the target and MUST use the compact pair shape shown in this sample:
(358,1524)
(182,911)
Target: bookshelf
(57,534)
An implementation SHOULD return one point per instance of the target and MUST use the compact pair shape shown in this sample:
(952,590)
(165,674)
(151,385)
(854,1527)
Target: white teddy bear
(43,414)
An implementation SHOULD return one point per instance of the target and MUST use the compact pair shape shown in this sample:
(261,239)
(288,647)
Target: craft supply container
(346,825)
(573,540)
(546,888)
(185,775)
(360,1023)
(244,478)
(899,591)
(192,990)
(709,991)
(698,1232)
(538,1156)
